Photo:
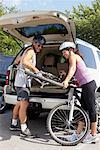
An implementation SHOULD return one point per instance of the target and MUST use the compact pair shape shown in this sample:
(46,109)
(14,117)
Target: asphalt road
(10,140)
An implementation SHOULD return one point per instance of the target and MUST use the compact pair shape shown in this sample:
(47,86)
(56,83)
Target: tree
(87,20)
(7,44)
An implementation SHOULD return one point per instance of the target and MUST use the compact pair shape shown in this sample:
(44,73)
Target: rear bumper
(47,103)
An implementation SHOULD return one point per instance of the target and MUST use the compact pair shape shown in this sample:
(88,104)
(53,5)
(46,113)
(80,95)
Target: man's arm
(27,59)
(17,61)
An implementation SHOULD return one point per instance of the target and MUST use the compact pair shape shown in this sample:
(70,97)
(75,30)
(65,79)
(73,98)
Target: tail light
(7,77)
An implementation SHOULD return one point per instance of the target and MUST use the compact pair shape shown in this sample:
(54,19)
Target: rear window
(87,55)
(42,30)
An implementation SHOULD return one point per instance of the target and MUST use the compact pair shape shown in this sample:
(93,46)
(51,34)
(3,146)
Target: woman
(78,69)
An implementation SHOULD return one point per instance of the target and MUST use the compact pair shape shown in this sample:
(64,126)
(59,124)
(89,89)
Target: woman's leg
(88,102)
(93,128)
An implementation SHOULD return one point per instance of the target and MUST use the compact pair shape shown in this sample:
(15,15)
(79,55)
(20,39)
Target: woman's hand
(65,83)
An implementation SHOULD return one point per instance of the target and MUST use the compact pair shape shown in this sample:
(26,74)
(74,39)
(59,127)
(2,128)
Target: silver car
(56,27)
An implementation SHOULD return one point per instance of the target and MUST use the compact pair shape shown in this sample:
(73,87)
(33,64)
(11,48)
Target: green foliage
(7,44)
(1,10)
(87,22)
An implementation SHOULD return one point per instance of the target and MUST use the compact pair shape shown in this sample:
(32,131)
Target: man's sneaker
(14,128)
(89,139)
(27,133)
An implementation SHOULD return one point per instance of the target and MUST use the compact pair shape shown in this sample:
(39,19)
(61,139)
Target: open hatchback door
(55,26)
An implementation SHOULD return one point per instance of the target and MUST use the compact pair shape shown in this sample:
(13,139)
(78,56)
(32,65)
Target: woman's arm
(71,71)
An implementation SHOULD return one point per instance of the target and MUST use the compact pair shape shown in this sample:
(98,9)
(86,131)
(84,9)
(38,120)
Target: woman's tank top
(82,75)
(21,79)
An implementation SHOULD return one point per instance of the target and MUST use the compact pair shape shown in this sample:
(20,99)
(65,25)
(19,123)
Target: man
(27,61)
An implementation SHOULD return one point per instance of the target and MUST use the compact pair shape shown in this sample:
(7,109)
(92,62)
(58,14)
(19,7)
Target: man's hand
(39,73)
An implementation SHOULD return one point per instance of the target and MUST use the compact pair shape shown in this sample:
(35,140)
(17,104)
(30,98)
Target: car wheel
(2,105)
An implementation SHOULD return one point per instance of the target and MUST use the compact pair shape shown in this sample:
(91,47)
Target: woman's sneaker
(87,137)
(27,133)
(90,139)
(72,137)
(14,128)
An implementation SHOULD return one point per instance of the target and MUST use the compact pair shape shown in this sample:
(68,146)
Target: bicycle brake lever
(72,85)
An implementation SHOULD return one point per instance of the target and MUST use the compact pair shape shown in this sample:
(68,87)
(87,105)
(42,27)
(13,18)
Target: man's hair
(40,39)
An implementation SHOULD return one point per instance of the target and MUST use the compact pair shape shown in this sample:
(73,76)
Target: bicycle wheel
(60,128)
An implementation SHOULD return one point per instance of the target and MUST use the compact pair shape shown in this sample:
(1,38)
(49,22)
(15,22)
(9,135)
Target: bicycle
(63,120)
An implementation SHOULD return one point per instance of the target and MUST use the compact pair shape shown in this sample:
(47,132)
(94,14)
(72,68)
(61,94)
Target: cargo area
(49,60)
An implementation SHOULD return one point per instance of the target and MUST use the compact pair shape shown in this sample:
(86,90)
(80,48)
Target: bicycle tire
(58,129)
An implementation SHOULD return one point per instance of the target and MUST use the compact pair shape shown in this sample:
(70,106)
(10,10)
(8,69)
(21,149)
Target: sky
(59,5)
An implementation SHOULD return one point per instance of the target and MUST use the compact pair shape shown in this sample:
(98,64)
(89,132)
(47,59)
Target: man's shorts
(22,93)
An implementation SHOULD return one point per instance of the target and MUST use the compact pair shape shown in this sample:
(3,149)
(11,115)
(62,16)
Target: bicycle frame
(41,77)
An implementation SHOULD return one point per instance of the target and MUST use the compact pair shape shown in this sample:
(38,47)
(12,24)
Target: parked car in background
(2,83)
(5,61)
(56,27)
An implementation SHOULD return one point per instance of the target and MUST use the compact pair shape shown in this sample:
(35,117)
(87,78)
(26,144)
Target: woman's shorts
(22,93)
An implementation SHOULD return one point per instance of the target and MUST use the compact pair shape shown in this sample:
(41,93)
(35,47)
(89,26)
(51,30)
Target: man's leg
(16,110)
(23,111)
(25,132)
(14,121)
(23,97)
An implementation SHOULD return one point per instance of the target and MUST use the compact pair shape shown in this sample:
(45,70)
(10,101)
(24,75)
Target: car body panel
(91,58)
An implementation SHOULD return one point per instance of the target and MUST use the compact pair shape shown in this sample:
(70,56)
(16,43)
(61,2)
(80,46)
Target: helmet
(67,45)
(40,39)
